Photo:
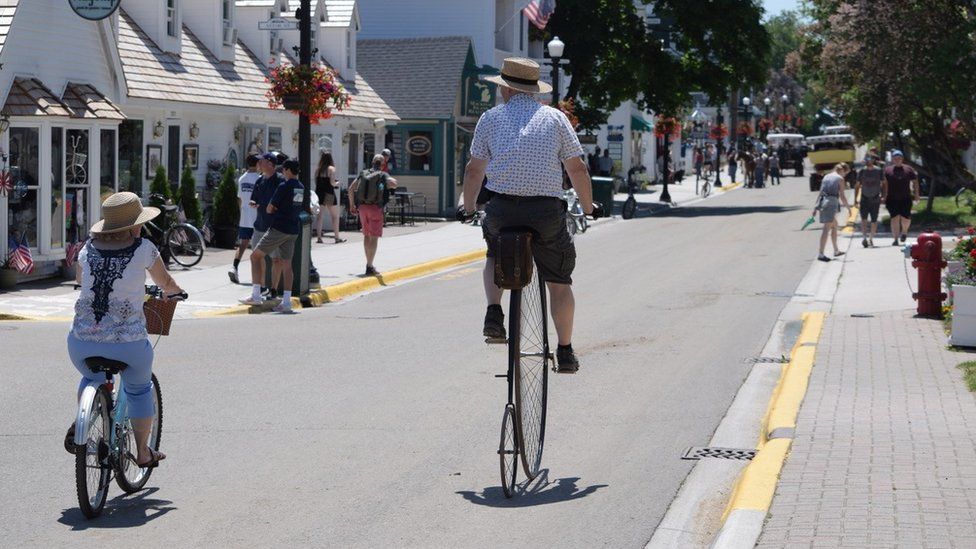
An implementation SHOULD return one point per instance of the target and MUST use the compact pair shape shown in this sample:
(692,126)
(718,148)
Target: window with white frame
(227,15)
(348,49)
(172,26)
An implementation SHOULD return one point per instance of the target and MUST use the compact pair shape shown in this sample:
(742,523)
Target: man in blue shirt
(283,212)
(261,197)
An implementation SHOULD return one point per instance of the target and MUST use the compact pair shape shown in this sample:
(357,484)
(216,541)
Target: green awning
(640,125)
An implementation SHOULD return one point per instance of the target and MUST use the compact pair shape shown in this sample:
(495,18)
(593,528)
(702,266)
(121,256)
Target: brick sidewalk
(885,448)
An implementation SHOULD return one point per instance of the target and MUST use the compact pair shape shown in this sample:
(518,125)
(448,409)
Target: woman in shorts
(832,195)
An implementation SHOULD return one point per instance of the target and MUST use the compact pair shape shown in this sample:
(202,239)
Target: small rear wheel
(630,208)
(91,459)
(508,452)
(130,477)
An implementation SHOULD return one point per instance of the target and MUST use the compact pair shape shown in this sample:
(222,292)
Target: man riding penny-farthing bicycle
(522,146)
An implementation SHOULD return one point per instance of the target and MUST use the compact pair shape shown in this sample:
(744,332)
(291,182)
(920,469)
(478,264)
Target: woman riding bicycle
(109,320)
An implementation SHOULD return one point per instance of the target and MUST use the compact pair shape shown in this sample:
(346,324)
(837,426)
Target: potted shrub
(188,198)
(310,90)
(8,275)
(226,213)
(962,293)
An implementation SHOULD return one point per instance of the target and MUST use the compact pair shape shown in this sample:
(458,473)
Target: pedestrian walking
(832,195)
(388,161)
(606,163)
(109,320)
(283,209)
(774,170)
(367,196)
(699,159)
(733,164)
(264,189)
(867,195)
(326,188)
(522,146)
(899,191)
(245,226)
(594,163)
(761,172)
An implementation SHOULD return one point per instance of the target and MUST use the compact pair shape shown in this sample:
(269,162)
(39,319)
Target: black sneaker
(864,242)
(903,237)
(895,243)
(494,323)
(566,362)
(371,271)
(232,274)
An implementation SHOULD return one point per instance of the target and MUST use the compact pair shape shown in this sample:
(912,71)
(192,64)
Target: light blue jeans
(136,379)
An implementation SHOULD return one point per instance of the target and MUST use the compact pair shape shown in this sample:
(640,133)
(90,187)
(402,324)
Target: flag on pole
(19,256)
(539,11)
(6,183)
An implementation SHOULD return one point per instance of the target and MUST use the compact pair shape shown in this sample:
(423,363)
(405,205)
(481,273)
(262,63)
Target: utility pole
(303,258)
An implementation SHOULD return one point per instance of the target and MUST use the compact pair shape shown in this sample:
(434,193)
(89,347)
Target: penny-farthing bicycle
(529,360)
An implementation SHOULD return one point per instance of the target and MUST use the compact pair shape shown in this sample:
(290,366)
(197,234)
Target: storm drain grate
(700,452)
(767,360)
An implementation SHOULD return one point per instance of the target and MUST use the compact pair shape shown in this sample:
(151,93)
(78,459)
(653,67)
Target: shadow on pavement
(124,511)
(722,211)
(532,493)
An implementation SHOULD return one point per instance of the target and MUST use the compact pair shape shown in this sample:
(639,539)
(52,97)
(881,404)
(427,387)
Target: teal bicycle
(104,441)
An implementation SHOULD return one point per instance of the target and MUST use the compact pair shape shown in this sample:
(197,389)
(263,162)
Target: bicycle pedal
(496,340)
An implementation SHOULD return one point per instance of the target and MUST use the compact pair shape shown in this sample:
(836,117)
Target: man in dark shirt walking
(899,191)
(867,195)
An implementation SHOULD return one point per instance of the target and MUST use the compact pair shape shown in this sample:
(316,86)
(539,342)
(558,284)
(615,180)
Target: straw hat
(521,74)
(121,212)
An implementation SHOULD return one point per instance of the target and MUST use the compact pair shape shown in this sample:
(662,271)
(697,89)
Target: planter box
(963,316)
(8,279)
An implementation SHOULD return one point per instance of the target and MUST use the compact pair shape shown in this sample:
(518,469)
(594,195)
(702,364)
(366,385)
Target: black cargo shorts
(552,247)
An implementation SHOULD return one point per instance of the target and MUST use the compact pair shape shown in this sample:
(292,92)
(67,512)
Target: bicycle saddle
(106,365)
(168,207)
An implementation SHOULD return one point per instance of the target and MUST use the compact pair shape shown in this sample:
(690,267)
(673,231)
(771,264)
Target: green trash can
(603,189)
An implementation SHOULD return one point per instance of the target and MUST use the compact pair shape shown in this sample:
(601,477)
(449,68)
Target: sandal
(153,461)
(339,240)
(318,241)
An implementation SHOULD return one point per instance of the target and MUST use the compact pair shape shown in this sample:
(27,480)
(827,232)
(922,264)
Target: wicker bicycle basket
(159,315)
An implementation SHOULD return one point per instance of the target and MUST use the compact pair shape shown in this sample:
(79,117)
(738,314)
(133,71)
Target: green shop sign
(479,96)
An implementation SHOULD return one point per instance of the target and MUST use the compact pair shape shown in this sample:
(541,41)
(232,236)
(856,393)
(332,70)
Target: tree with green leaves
(615,57)
(226,210)
(188,198)
(160,185)
(902,71)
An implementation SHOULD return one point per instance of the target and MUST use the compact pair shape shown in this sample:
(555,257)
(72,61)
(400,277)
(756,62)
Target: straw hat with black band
(520,74)
(121,212)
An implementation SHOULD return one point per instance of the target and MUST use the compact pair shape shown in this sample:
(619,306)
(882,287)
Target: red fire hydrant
(927,256)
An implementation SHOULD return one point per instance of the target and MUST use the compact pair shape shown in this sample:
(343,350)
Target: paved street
(374,422)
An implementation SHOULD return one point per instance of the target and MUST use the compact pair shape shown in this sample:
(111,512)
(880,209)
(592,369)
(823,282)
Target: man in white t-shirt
(245,228)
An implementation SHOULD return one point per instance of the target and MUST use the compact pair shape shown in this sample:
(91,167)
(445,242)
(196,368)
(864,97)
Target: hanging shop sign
(419,145)
(479,97)
(94,10)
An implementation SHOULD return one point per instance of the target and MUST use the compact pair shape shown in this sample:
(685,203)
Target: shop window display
(57,188)
(22,203)
(77,186)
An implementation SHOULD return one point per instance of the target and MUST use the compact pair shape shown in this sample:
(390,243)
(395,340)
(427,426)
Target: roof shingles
(417,77)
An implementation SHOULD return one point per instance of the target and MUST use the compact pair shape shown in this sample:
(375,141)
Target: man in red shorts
(367,196)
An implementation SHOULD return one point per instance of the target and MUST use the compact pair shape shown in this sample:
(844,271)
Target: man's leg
(370,243)
(493,294)
(276,268)
(896,226)
(907,221)
(563,308)
(257,273)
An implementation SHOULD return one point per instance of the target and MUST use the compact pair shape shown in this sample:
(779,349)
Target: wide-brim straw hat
(121,212)
(521,74)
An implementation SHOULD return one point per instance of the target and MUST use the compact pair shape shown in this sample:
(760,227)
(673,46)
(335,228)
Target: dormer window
(227,14)
(172,27)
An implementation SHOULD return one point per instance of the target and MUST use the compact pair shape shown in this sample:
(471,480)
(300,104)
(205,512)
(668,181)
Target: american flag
(6,182)
(539,12)
(71,253)
(19,256)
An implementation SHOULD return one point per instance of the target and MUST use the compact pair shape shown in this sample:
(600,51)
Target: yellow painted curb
(343,290)
(756,486)
(851,219)
(728,188)
(23,318)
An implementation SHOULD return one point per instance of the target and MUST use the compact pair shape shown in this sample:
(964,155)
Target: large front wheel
(91,457)
(130,477)
(529,352)
(185,244)
(630,208)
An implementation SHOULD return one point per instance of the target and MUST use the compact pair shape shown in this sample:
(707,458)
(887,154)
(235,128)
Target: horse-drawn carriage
(791,148)
(828,150)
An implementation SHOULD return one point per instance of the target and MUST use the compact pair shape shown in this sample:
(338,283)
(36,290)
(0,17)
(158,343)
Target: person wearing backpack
(367,196)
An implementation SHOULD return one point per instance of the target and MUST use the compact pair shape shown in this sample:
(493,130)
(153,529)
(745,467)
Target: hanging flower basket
(718,132)
(569,109)
(666,125)
(765,124)
(310,90)
(745,129)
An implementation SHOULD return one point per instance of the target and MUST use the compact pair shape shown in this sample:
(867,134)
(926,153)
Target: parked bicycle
(104,443)
(179,241)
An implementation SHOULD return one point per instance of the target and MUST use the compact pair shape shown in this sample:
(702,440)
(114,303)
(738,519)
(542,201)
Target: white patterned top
(525,143)
(113,289)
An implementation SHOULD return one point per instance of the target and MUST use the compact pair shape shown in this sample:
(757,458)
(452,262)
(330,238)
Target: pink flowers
(317,86)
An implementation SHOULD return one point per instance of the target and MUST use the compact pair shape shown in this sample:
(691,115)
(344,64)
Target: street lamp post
(719,145)
(302,261)
(747,103)
(786,99)
(556,48)
(767,101)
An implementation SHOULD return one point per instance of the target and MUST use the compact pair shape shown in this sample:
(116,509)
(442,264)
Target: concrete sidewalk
(884,453)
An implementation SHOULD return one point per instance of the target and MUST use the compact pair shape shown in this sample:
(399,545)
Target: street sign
(277,23)
(94,10)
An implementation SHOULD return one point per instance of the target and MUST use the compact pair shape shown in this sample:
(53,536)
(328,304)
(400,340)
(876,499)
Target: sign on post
(277,23)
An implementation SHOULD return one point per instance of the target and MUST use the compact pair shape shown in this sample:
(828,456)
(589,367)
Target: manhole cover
(700,452)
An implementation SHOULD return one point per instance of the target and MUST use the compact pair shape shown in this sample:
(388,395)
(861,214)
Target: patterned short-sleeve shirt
(525,144)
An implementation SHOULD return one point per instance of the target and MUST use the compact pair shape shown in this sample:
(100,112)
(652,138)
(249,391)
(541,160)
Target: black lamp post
(665,195)
(719,145)
(747,109)
(302,261)
(556,48)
